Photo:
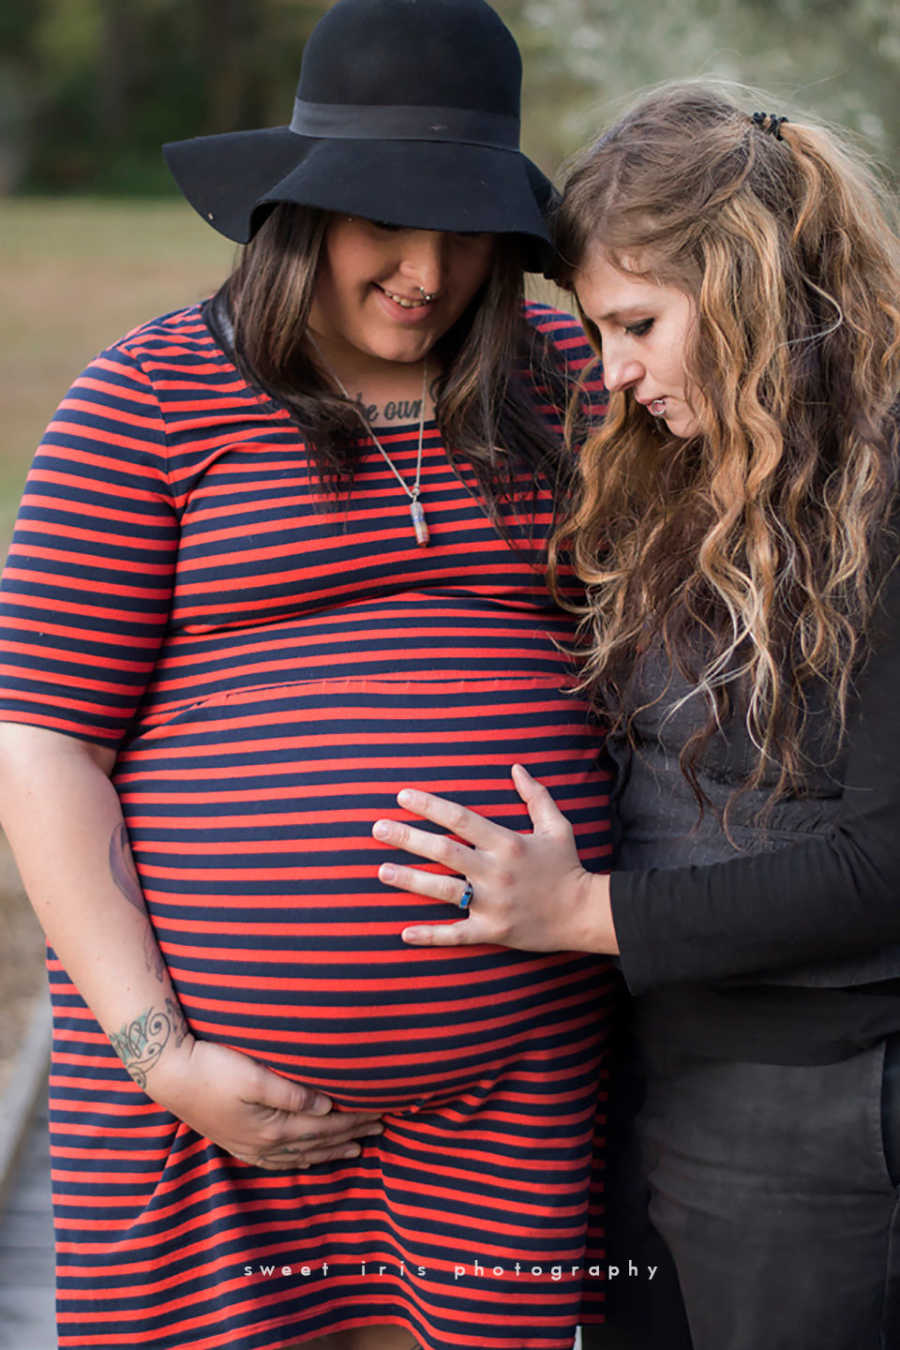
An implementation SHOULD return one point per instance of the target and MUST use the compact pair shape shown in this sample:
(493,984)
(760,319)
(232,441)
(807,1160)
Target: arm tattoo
(124,874)
(140,1043)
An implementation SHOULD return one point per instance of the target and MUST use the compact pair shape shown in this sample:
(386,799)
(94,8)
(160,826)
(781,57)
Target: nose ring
(427,295)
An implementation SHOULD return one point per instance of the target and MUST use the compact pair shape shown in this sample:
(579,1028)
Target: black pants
(775,1189)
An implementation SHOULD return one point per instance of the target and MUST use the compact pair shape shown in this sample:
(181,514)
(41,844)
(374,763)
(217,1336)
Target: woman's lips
(405,301)
(403,308)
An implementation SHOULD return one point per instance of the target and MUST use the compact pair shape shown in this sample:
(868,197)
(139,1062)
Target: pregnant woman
(278,555)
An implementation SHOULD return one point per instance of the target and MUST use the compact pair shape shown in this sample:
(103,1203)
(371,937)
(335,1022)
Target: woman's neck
(389,391)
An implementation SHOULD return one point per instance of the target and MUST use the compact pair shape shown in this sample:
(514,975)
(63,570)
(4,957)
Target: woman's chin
(682,422)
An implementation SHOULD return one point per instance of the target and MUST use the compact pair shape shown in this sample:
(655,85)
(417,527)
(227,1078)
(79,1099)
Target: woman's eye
(640,329)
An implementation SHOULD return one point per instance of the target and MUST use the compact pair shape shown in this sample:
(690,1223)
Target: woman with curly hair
(736,529)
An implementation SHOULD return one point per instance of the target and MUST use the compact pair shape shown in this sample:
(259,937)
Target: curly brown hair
(753,550)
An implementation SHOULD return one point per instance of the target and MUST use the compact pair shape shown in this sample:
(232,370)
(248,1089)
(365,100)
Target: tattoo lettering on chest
(124,874)
(395,410)
(140,1043)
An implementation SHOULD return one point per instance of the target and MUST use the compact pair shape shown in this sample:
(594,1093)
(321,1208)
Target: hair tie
(769,123)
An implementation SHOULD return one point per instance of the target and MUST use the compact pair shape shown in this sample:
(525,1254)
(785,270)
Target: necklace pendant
(420,524)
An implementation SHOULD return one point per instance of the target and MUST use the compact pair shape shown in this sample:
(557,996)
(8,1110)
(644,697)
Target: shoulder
(158,348)
(180,335)
(557,324)
(563,332)
(136,393)
(570,352)
(176,362)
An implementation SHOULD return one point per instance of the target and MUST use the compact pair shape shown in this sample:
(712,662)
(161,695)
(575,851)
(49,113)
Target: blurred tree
(18,20)
(112,79)
(90,88)
(838,59)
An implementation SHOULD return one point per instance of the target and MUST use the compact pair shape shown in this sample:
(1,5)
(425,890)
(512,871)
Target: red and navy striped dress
(271,670)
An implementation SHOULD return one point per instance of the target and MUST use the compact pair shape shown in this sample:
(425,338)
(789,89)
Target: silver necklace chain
(411,492)
(416,510)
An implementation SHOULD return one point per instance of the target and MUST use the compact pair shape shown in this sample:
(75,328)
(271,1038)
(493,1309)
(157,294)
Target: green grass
(76,274)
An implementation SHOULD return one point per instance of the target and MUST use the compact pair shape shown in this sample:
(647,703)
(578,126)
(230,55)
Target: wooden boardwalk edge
(24,1089)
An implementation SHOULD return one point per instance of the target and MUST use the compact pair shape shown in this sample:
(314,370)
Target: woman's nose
(424,259)
(620,371)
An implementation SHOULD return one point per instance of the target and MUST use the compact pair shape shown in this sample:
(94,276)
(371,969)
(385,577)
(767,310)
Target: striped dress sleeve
(84,598)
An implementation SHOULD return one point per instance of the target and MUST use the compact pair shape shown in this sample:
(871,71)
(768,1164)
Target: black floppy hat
(407,111)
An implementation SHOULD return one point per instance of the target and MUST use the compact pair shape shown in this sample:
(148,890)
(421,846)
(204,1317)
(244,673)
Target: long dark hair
(497,369)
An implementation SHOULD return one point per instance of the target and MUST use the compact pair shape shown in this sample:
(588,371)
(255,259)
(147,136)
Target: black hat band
(410,122)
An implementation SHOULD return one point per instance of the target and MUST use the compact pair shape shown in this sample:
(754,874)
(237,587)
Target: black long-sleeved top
(786,948)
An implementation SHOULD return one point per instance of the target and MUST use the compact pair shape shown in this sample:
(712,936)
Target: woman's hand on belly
(254,1114)
(526,890)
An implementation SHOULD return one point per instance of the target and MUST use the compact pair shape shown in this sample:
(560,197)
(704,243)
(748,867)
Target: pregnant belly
(250,816)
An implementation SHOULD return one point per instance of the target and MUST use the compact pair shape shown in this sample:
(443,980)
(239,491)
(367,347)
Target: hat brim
(233,180)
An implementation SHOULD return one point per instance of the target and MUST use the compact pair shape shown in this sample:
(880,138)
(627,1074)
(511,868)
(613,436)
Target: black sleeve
(837,895)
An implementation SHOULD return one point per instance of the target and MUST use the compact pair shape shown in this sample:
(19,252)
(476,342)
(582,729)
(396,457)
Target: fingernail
(373,1129)
(351,1151)
(381,829)
(320,1105)
(404,796)
(387,872)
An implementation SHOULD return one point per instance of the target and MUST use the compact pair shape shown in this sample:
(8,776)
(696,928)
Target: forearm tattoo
(124,874)
(140,1043)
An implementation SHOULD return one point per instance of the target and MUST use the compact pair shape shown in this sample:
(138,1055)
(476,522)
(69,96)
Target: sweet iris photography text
(378,1269)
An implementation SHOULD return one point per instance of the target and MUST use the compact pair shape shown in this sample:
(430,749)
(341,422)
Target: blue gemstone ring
(467,896)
